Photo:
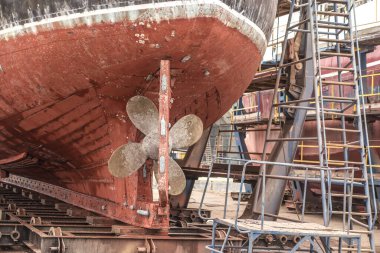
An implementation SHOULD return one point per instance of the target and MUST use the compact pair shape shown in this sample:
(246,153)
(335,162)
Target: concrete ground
(214,201)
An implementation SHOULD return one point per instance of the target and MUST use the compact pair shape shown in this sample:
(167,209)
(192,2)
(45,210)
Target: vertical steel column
(164,109)
(284,150)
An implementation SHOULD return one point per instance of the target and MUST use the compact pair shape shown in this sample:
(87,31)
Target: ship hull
(65,84)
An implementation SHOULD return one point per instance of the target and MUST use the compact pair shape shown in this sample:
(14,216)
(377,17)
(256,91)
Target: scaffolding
(328,33)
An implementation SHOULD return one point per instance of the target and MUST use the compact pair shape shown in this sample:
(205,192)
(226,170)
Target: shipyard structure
(189,126)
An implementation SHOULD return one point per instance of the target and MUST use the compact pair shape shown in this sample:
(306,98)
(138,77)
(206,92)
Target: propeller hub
(151,144)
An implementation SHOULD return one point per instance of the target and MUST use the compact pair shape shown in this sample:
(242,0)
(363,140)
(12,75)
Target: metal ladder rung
(342,130)
(361,232)
(294,102)
(336,27)
(300,30)
(333,2)
(357,180)
(297,107)
(348,162)
(352,213)
(335,54)
(332,13)
(295,62)
(338,69)
(352,249)
(293,139)
(341,114)
(298,24)
(339,98)
(331,23)
(334,40)
(339,145)
(355,196)
(338,83)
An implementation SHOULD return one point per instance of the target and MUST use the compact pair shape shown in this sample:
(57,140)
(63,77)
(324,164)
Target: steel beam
(124,213)
(284,151)
(64,234)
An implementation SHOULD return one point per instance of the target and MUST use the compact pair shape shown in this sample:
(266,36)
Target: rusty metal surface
(127,213)
(60,231)
(163,149)
(72,129)
(67,73)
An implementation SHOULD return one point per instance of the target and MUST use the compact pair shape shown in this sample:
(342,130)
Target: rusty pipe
(282,238)
(269,239)
(296,238)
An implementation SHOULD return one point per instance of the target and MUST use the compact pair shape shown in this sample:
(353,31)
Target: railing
(347,181)
(375,85)
(330,147)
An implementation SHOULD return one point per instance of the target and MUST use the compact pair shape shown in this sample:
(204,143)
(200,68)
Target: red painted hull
(64,92)
(67,71)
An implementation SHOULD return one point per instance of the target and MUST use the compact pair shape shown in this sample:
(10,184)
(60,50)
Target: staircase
(325,29)
(330,32)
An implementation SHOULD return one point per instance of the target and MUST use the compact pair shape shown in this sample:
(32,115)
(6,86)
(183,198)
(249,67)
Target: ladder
(331,35)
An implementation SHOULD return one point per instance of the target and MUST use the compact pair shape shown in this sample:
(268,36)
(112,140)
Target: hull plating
(65,84)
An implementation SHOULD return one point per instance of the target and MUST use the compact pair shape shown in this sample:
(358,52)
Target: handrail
(302,152)
(373,192)
(306,167)
(302,166)
(362,103)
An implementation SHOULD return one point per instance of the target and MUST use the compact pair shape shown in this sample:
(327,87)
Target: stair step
(334,40)
(339,83)
(333,13)
(335,54)
(338,69)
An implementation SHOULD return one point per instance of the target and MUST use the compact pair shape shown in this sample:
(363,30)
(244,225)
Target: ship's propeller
(129,157)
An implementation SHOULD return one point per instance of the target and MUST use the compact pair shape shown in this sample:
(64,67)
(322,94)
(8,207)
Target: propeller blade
(177,179)
(126,159)
(143,113)
(186,131)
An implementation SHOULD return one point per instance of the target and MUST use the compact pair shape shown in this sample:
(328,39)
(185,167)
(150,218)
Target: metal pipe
(269,239)
(373,192)
(227,185)
(296,239)
(283,239)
